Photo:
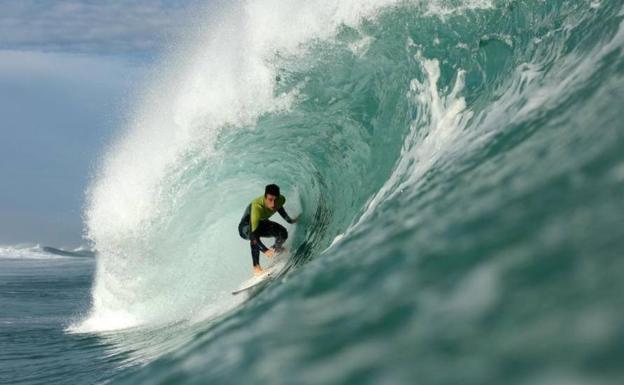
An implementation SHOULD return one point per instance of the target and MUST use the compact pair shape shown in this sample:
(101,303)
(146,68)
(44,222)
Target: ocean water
(459,168)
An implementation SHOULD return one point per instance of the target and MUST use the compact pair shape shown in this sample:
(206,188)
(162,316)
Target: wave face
(460,172)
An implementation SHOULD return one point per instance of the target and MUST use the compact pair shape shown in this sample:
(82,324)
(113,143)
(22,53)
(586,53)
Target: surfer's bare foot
(269,253)
(258,270)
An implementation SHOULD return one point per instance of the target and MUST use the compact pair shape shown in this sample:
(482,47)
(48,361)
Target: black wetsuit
(266,228)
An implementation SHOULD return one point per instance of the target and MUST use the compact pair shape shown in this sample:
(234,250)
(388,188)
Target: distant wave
(43,252)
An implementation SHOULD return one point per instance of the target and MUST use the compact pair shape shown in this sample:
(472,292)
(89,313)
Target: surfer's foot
(258,271)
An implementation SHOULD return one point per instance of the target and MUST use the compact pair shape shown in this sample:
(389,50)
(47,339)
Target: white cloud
(109,27)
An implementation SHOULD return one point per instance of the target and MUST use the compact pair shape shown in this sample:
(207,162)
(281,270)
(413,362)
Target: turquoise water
(460,174)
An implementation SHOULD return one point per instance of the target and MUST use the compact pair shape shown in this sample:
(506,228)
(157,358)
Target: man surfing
(255,223)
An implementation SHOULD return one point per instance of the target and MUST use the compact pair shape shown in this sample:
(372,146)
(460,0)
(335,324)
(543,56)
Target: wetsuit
(255,223)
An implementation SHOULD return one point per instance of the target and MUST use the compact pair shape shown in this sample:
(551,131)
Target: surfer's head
(271,193)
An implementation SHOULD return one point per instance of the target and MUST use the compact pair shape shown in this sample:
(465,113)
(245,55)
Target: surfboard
(257,281)
(253,282)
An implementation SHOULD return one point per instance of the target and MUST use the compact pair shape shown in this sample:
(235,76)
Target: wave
(353,108)
(458,166)
(162,210)
(28,251)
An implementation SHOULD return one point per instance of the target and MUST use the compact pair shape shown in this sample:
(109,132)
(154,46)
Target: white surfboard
(257,281)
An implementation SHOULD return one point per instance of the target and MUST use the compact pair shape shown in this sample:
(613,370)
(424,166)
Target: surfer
(255,223)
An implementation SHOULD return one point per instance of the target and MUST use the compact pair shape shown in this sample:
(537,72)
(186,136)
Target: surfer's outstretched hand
(295,219)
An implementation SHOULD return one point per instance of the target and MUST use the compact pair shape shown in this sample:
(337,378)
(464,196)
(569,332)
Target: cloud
(107,27)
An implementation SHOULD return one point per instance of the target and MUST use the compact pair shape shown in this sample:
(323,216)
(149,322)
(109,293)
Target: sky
(68,71)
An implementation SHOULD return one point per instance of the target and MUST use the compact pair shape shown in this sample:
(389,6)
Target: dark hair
(272,189)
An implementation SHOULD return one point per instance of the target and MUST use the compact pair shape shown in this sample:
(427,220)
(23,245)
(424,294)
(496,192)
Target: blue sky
(68,70)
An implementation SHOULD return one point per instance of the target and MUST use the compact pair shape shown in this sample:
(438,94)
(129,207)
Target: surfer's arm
(255,240)
(285,215)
